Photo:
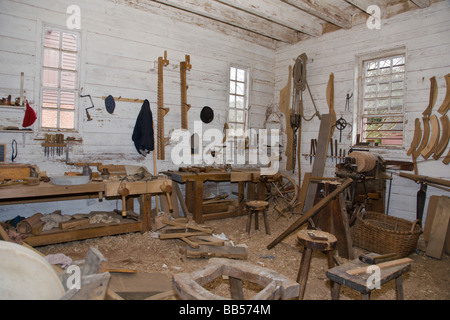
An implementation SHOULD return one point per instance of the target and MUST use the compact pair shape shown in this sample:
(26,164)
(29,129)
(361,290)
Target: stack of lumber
(200,241)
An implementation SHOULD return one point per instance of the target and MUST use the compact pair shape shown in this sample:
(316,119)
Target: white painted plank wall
(120,53)
(426,36)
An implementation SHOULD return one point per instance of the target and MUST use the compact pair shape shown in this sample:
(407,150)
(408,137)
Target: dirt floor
(428,278)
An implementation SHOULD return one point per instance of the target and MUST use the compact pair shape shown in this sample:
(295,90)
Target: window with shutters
(60,78)
(382,99)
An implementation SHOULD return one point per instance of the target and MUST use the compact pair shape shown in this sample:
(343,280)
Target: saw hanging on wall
(162,111)
(184,67)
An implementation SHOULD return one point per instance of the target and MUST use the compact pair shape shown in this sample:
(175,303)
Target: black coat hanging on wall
(143,135)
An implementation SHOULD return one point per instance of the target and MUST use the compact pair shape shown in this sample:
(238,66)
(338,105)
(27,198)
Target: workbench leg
(335,291)
(198,204)
(190,196)
(145,203)
(257,220)
(399,288)
(365,296)
(241,197)
(302,276)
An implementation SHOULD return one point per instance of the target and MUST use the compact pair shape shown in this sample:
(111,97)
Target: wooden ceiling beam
(364,5)
(240,19)
(323,11)
(280,13)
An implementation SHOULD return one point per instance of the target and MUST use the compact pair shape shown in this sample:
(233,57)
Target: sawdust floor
(428,279)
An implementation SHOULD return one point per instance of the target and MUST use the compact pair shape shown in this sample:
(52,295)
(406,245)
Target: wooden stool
(313,240)
(359,282)
(255,207)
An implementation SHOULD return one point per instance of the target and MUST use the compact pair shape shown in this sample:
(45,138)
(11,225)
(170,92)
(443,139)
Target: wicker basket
(383,234)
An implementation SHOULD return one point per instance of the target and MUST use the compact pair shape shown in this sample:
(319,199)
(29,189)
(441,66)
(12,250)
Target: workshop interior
(224,150)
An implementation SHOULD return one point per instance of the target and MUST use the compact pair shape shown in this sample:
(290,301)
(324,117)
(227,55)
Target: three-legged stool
(255,207)
(361,282)
(313,240)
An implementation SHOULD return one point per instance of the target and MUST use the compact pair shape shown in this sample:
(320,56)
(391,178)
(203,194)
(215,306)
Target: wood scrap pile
(200,241)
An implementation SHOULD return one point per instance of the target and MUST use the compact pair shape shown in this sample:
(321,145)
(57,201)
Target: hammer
(375,259)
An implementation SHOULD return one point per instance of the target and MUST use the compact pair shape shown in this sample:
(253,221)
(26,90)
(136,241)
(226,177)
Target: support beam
(323,11)
(240,19)
(280,13)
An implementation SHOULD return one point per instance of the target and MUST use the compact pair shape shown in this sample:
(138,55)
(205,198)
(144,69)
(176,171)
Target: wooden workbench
(194,182)
(47,192)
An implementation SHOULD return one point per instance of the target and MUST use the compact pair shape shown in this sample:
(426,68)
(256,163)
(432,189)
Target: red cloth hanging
(30,117)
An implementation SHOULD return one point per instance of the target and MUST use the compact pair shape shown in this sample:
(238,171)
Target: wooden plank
(237,18)
(180,197)
(311,212)
(432,205)
(320,158)
(324,11)
(304,190)
(382,265)
(179,235)
(341,228)
(82,234)
(218,252)
(74,223)
(439,229)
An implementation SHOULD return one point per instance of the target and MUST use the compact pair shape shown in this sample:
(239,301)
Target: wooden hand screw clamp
(184,67)
(162,111)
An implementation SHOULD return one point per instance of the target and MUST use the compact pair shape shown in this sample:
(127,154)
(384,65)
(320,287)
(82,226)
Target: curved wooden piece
(446,104)
(433,97)
(434,137)
(416,139)
(447,158)
(440,148)
(425,137)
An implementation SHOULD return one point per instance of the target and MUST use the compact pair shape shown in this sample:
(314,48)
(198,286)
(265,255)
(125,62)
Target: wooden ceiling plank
(279,12)
(223,13)
(421,3)
(323,11)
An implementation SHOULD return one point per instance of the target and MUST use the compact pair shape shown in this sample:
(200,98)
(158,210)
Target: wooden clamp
(184,67)
(162,111)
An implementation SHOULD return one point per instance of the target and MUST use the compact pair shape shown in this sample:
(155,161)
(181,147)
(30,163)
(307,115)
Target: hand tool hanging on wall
(184,67)
(341,124)
(162,111)
(13,150)
(87,112)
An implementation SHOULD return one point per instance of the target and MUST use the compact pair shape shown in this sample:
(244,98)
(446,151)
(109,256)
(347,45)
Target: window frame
(246,100)
(358,108)
(78,71)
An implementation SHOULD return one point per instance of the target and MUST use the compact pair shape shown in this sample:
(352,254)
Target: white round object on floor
(26,275)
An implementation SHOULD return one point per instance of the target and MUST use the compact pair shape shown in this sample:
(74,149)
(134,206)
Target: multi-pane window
(383,101)
(238,101)
(60,77)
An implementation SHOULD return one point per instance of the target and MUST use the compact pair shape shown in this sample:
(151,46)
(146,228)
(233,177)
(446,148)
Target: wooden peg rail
(126,100)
